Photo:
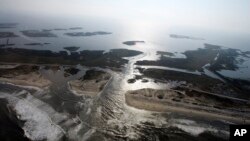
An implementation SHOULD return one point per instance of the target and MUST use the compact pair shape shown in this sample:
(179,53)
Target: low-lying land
(91,83)
(194,103)
(25,75)
(95,58)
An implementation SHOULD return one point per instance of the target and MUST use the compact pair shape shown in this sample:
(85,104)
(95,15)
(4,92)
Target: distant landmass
(184,37)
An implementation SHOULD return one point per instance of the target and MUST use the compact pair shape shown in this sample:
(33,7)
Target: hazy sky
(222,14)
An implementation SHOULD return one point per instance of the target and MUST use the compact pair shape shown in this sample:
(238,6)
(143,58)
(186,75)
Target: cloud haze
(225,14)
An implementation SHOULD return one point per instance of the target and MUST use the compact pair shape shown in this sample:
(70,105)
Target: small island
(132,43)
(38,33)
(91,83)
(79,34)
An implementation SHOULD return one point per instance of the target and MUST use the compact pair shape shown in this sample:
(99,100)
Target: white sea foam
(193,130)
(21,86)
(38,123)
(192,127)
(185,121)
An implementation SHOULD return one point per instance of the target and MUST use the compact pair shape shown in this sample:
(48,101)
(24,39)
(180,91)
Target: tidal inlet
(124,70)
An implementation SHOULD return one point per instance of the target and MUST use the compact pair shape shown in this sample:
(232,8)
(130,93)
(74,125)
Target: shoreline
(145,103)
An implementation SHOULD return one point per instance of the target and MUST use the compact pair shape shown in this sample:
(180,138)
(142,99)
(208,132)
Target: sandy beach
(90,86)
(149,99)
(24,76)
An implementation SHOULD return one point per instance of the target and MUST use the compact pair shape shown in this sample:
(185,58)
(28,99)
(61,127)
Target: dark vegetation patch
(201,82)
(93,74)
(226,60)
(88,58)
(132,80)
(124,52)
(72,70)
(136,77)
